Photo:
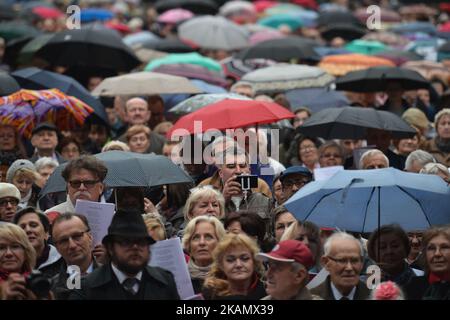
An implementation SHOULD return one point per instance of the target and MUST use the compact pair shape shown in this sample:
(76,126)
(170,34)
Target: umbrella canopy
(346,31)
(148,55)
(330,18)
(235,68)
(365,47)
(127,169)
(228,114)
(385,15)
(363,200)
(28,51)
(8,84)
(169,45)
(202,100)
(195,6)
(91,47)
(46,12)
(388,38)
(16,29)
(353,122)
(283,77)
(95,14)
(7,12)
(174,16)
(214,33)
(206,87)
(414,27)
(192,71)
(341,64)
(26,108)
(275,21)
(264,35)
(378,78)
(316,99)
(144,83)
(282,50)
(38,79)
(398,56)
(185,58)
(429,69)
(141,38)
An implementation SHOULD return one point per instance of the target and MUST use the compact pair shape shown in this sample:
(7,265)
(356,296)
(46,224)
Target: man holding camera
(234,166)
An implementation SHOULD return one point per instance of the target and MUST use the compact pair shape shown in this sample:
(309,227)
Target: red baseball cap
(290,251)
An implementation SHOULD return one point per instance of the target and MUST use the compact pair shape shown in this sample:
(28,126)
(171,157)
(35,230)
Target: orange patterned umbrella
(341,64)
(24,109)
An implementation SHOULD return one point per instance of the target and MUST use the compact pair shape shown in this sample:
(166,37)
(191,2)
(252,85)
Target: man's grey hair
(371,153)
(45,162)
(419,156)
(221,140)
(135,99)
(230,151)
(340,235)
(241,84)
(435,168)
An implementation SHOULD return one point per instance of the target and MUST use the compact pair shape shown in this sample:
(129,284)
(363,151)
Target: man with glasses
(73,240)
(84,178)
(293,179)
(9,200)
(287,271)
(128,276)
(343,259)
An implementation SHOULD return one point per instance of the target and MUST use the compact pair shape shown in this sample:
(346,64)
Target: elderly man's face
(137,112)
(8,208)
(282,280)
(234,165)
(377,161)
(344,263)
(84,184)
(45,140)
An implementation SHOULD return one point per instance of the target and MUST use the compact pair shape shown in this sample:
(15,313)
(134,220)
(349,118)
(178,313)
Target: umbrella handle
(345,191)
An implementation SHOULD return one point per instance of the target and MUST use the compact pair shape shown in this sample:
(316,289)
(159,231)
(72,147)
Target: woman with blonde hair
(22,173)
(201,236)
(115,145)
(204,200)
(17,260)
(235,271)
(439,147)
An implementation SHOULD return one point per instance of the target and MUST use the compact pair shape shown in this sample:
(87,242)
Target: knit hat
(9,190)
(16,165)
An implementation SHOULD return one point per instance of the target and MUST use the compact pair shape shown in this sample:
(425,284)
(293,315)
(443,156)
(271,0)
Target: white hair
(340,235)
(371,153)
(220,140)
(45,162)
(419,156)
(435,168)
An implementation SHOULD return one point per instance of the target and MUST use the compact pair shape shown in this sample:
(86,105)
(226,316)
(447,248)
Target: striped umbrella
(25,109)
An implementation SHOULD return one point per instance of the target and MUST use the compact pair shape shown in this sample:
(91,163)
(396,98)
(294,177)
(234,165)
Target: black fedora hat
(44,126)
(127,224)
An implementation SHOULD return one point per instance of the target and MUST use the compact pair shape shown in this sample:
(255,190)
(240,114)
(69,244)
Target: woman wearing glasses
(36,226)
(235,273)
(17,259)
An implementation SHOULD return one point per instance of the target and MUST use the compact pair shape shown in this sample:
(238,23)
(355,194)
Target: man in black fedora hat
(127,277)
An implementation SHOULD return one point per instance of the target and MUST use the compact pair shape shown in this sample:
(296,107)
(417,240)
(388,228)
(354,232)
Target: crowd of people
(239,243)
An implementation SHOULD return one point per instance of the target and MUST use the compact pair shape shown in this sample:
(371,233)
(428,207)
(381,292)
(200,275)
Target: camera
(38,283)
(248,181)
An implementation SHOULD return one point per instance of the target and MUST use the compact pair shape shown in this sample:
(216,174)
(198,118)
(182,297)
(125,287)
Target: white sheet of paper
(99,216)
(326,173)
(318,279)
(168,254)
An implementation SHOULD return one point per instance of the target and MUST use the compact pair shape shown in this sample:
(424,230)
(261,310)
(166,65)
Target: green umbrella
(282,8)
(366,47)
(28,51)
(16,29)
(185,58)
(274,21)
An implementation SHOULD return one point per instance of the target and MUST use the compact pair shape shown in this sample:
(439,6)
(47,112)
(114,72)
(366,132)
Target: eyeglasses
(12,201)
(76,237)
(343,262)
(128,243)
(14,248)
(288,183)
(87,183)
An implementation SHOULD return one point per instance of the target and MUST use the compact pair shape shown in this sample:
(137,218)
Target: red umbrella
(47,13)
(229,114)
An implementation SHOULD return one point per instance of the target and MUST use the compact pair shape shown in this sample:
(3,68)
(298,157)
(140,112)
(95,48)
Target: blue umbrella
(141,38)
(206,87)
(95,14)
(363,200)
(38,79)
(316,99)
(414,27)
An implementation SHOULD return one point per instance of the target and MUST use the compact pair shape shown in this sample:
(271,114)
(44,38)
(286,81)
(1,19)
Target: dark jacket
(325,292)
(257,292)
(59,158)
(59,282)
(102,284)
(420,289)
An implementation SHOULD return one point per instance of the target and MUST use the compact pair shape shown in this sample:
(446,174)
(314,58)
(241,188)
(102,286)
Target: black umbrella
(169,45)
(283,50)
(128,169)
(353,122)
(8,84)
(17,29)
(6,12)
(196,6)
(90,47)
(330,18)
(378,78)
(38,79)
(346,31)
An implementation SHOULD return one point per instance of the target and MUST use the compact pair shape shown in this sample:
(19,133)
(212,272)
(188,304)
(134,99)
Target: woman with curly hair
(304,151)
(235,272)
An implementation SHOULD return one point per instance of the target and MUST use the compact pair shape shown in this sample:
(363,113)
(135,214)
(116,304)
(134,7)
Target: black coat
(325,292)
(102,284)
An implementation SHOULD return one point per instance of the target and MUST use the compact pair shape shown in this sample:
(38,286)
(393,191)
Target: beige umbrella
(429,69)
(144,83)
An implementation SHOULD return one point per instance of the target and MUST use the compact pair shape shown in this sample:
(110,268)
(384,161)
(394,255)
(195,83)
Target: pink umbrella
(173,16)
(264,35)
